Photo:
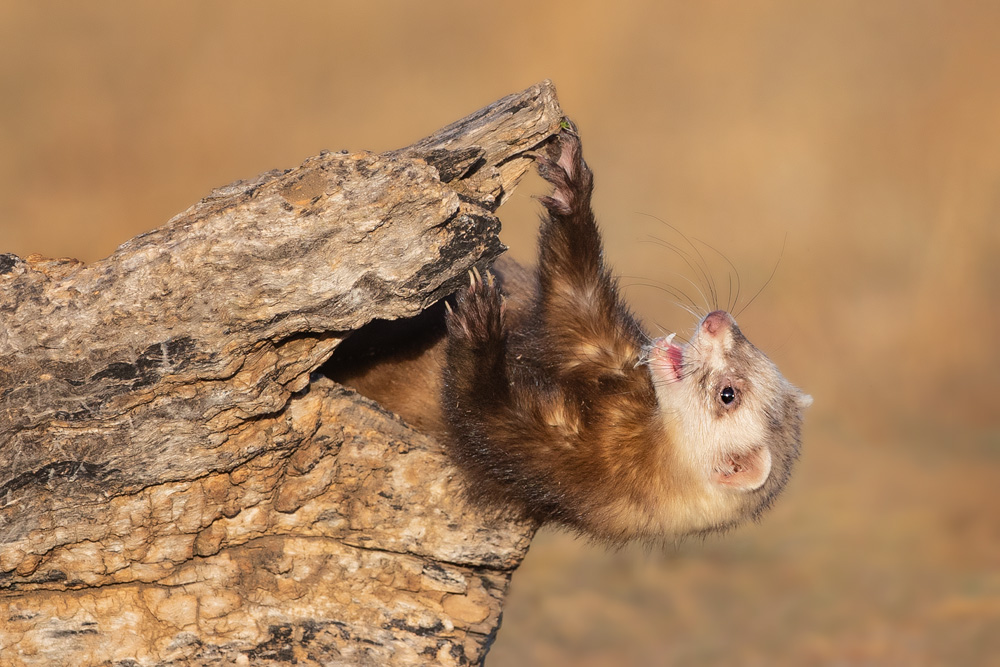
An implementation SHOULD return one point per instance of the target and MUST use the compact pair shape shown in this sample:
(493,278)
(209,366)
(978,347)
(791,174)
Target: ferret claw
(479,309)
(475,279)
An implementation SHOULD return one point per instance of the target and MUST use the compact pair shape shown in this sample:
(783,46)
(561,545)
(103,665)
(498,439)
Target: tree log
(176,487)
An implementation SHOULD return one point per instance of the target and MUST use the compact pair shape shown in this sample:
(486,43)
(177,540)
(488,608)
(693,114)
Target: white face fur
(727,408)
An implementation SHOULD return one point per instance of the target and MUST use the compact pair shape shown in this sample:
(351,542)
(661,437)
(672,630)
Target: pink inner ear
(750,470)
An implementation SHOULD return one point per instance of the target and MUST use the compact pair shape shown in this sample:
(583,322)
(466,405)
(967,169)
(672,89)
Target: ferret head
(732,422)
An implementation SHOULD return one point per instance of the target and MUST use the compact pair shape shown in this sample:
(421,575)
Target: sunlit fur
(555,405)
(761,426)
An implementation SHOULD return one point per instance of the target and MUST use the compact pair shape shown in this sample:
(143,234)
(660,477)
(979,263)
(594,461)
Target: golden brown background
(862,136)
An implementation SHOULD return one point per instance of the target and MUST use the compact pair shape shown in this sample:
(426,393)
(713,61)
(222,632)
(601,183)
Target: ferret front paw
(566,170)
(478,317)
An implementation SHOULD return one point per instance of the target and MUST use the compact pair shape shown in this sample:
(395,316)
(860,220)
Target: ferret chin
(556,406)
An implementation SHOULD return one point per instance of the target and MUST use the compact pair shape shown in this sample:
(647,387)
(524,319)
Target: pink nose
(716,322)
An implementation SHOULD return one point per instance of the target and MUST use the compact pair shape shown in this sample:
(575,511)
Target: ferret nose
(716,322)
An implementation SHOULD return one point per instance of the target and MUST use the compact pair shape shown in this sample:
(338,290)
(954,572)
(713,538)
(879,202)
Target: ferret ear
(750,471)
(804,400)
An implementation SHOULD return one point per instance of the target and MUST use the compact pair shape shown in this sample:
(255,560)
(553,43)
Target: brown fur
(554,405)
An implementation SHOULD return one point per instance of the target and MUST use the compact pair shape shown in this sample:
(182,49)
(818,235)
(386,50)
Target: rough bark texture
(175,490)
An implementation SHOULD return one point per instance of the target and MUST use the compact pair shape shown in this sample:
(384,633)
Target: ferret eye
(728,395)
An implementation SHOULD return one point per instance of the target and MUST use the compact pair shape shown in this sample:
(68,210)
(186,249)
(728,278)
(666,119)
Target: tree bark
(173,487)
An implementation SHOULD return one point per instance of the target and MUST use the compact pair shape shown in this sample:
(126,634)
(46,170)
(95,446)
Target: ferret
(555,405)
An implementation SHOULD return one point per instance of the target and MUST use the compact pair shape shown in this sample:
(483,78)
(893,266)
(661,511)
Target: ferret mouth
(744,472)
(666,357)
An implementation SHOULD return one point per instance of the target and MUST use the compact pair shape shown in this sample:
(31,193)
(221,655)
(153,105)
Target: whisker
(702,275)
(669,289)
(693,284)
(769,278)
(739,282)
(703,268)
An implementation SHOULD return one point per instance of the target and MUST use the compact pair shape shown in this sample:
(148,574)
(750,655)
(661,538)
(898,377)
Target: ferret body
(556,406)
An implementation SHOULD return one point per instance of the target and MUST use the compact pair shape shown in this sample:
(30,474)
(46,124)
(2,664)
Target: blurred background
(854,145)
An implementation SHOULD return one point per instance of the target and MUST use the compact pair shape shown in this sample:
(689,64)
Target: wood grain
(174,489)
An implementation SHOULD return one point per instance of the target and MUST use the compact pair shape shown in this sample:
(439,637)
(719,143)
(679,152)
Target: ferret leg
(477,346)
(589,327)
(477,396)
